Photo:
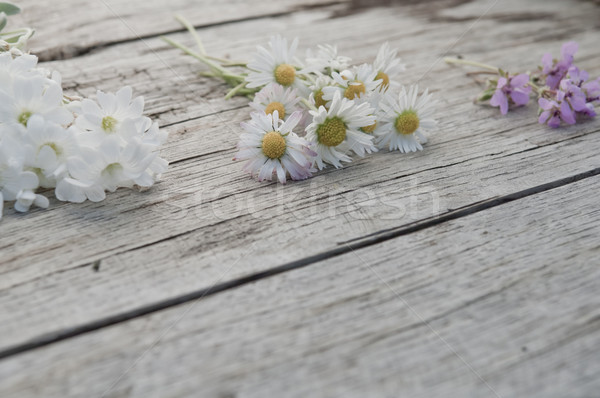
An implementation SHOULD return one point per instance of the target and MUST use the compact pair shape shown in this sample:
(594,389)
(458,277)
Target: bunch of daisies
(79,148)
(565,93)
(320,111)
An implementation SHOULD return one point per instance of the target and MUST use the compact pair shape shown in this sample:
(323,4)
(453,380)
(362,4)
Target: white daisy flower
(274,97)
(373,99)
(353,83)
(52,145)
(404,118)
(101,122)
(336,131)
(387,65)
(270,146)
(276,66)
(316,90)
(326,60)
(32,96)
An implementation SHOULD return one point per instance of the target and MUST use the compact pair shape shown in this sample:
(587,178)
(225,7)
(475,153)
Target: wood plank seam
(340,193)
(81,51)
(61,335)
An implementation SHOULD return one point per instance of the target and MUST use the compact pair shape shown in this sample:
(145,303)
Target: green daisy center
(285,74)
(109,124)
(56,148)
(407,122)
(273,145)
(332,132)
(112,169)
(24,118)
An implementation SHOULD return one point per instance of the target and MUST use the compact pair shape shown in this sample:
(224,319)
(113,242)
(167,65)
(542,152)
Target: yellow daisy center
(319,101)
(273,145)
(332,132)
(24,118)
(407,122)
(275,106)
(385,79)
(109,124)
(285,74)
(355,89)
(369,129)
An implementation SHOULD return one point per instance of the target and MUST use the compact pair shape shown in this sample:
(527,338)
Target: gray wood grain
(499,303)
(206,215)
(70,28)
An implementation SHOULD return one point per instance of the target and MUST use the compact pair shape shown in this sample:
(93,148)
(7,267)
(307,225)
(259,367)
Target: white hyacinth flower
(52,145)
(103,119)
(336,131)
(26,97)
(23,66)
(107,168)
(404,117)
(16,183)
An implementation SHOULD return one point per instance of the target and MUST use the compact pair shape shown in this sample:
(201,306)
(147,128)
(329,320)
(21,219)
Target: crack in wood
(371,240)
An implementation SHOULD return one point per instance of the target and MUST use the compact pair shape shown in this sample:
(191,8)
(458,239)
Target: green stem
(192,30)
(471,63)
(536,88)
(235,90)
(216,69)
(227,62)
(308,104)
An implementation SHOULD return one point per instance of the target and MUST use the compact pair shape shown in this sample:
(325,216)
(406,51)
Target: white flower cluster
(336,110)
(79,148)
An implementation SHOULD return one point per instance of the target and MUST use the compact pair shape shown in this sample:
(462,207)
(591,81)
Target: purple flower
(515,89)
(573,95)
(580,92)
(555,111)
(555,71)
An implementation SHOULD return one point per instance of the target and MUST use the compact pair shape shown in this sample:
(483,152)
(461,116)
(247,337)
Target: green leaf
(9,9)
(485,97)
(487,94)
(3,20)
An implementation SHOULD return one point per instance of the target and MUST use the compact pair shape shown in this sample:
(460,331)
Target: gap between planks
(54,54)
(344,248)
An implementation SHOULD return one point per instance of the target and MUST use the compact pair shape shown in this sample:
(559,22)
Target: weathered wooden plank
(471,161)
(507,296)
(69,28)
(209,240)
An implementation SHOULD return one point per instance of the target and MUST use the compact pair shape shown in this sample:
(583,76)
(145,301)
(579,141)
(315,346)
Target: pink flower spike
(500,99)
(568,50)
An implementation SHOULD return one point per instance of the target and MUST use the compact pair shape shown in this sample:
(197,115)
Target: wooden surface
(469,269)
